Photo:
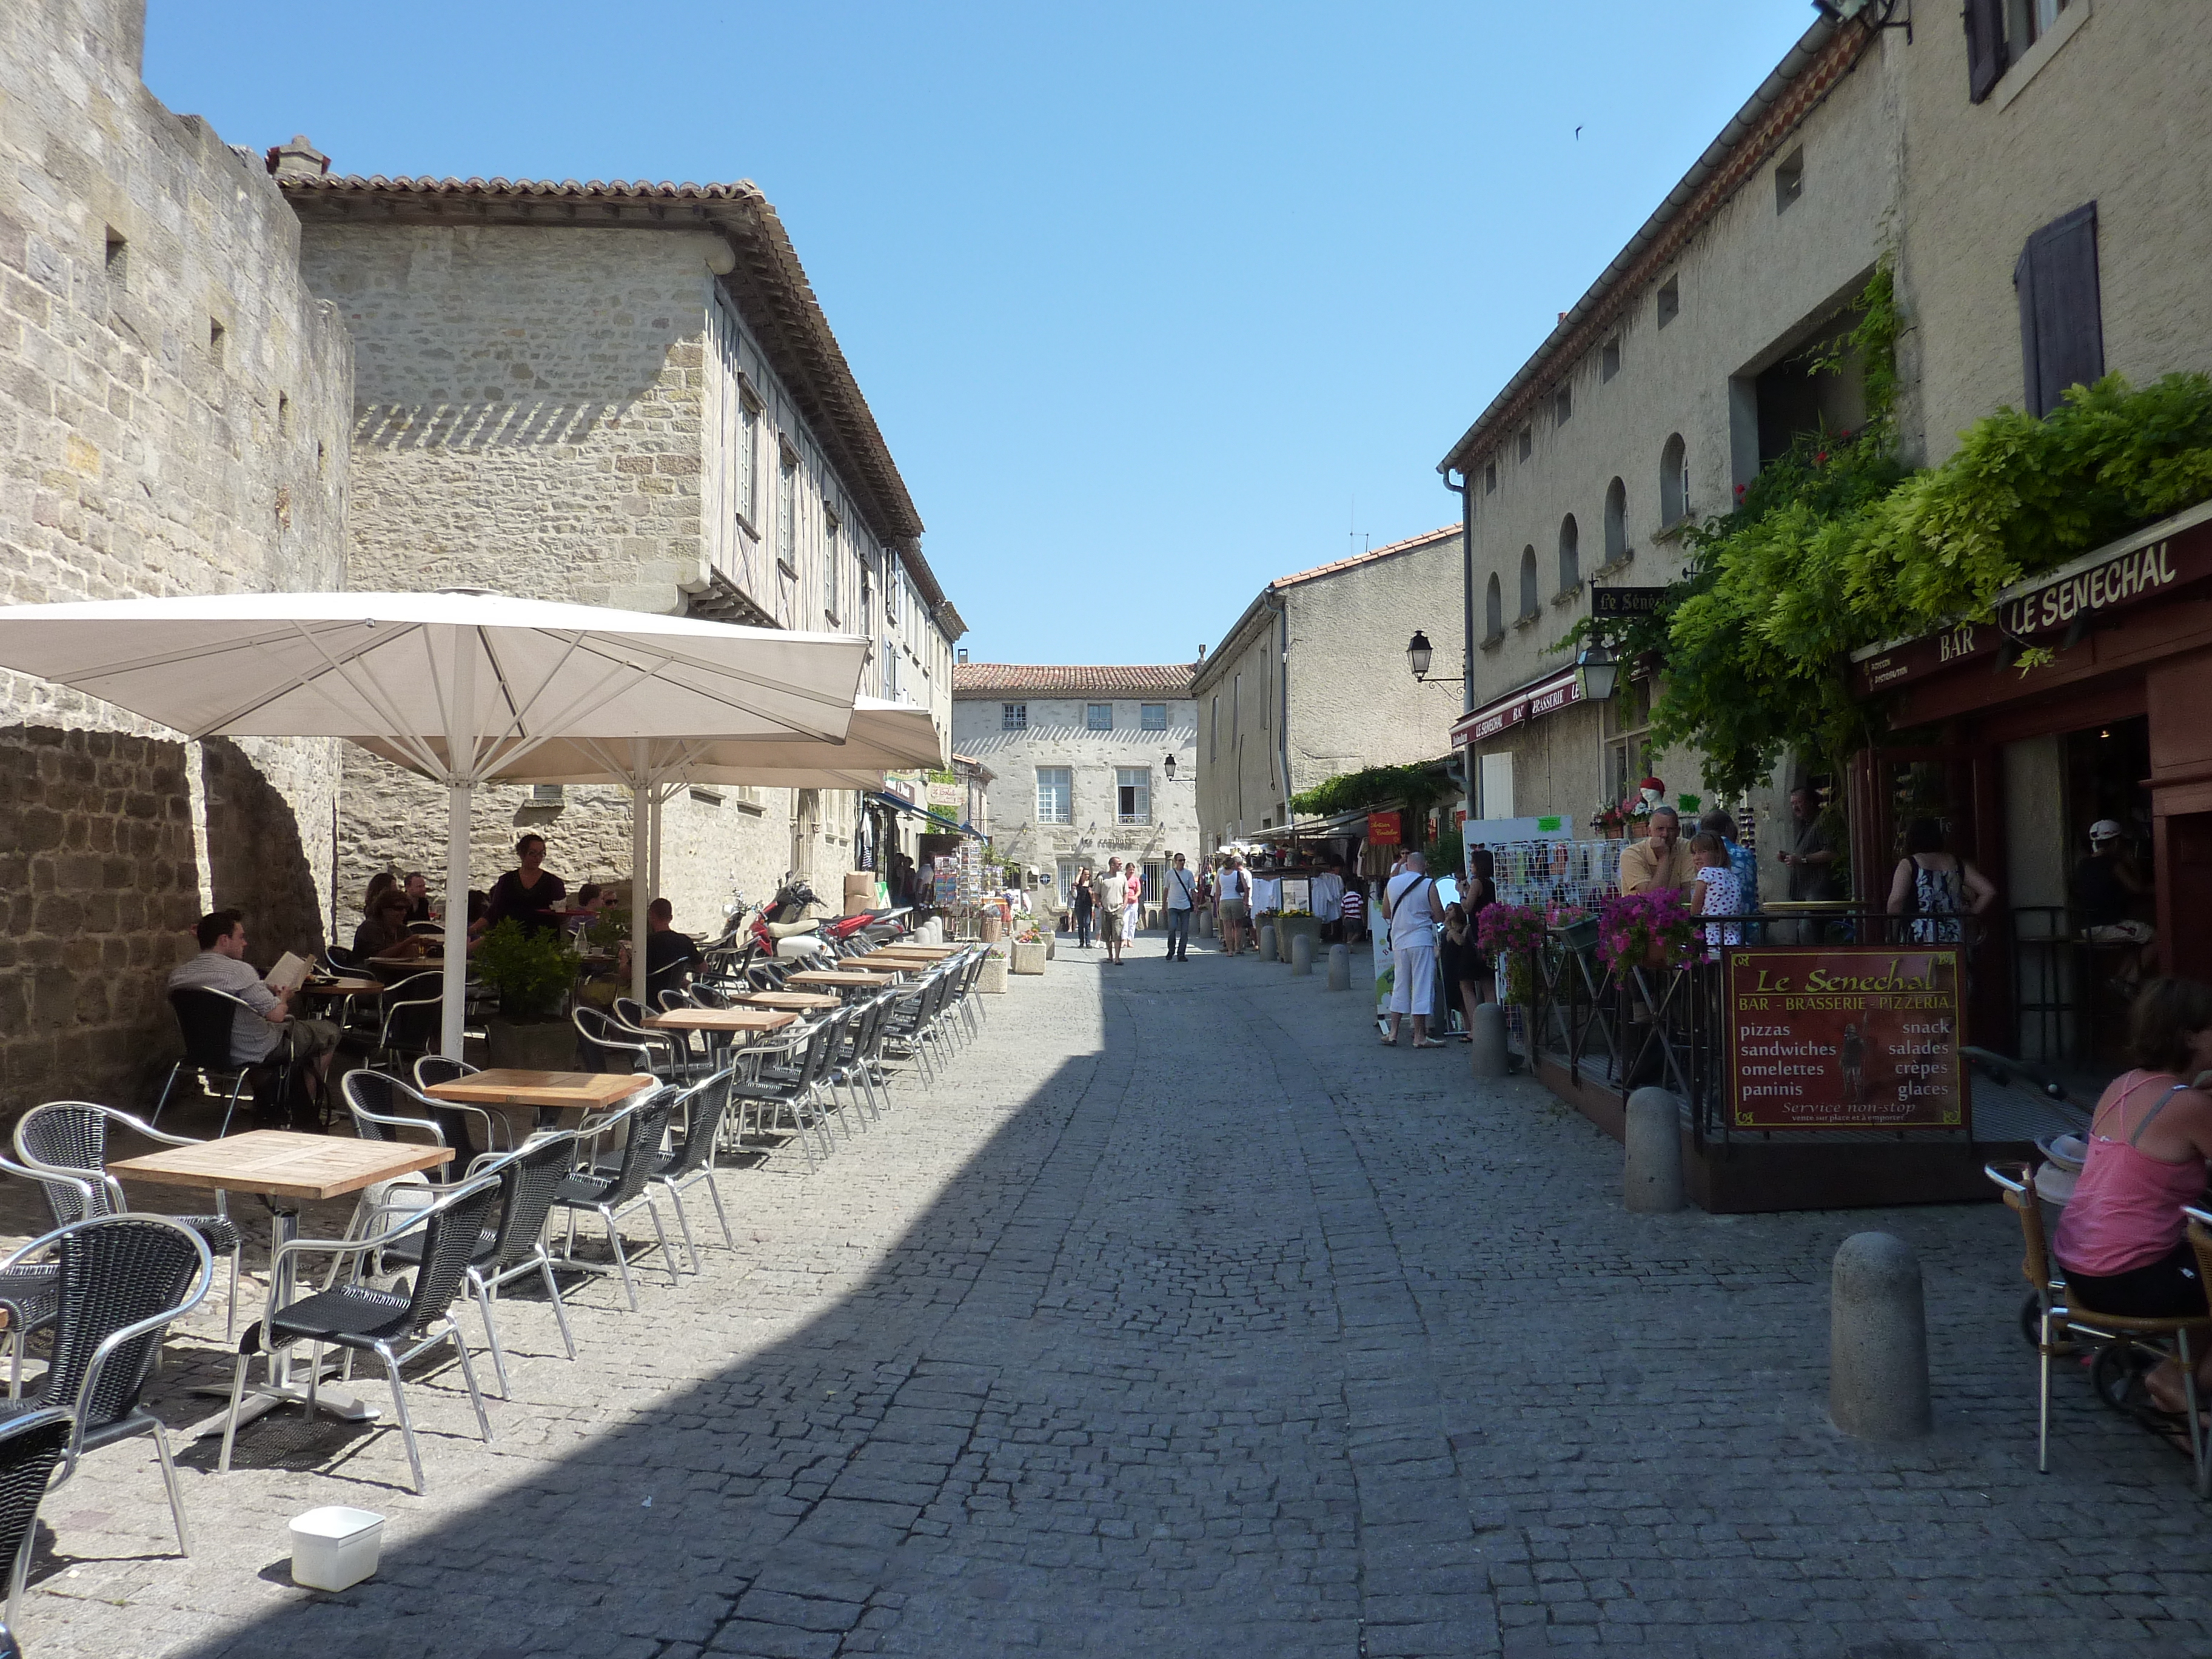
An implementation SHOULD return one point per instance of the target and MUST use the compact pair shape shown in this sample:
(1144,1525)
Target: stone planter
(1051,946)
(992,981)
(539,1045)
(1027,958)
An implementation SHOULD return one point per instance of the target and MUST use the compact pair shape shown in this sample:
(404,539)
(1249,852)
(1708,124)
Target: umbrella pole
(640,797)
(452,1006)
(659,798)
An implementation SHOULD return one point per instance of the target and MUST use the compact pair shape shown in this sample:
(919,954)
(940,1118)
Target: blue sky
(1171,298)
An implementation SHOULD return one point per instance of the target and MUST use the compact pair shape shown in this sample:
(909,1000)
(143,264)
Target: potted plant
(533,970)
(1609,820)
(1646,930)
(1575,927)
(1516,932)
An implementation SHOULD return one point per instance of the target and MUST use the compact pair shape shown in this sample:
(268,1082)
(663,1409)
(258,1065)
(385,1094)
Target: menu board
(1845,1037)
(1297,896)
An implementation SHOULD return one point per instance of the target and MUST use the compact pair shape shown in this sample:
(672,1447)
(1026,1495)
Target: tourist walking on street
(1132,900)
(1082,903)
(1409,905)
(1353,908)
(1236,904)
(1182,903)
(1113,899)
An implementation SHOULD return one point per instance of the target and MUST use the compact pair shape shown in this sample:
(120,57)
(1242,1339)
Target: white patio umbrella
(881,736)
(477,676)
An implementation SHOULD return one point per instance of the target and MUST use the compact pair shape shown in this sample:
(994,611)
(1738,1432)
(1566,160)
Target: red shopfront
(2016,760)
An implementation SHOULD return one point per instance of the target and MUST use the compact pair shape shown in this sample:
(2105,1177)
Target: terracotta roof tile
(991,679)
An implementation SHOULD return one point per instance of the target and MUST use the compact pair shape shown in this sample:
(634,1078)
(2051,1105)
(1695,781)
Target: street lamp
(1418,654)
(1596,672)
(1169,766)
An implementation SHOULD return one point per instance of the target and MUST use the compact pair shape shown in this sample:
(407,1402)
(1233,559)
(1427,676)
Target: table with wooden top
(738,1022)
(509,1086)
(287,1171)
(342,987)
(831,979)
(798,1002)
(928,952)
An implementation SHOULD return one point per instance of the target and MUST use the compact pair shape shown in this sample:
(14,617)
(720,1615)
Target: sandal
(1389,1042)
(1427,1042)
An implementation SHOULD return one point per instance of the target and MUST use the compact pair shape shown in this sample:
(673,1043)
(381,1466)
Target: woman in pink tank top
(2122,1240)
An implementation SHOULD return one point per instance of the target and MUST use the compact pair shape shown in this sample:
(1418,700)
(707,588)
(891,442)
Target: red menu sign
(1845,1037)
(1382,828)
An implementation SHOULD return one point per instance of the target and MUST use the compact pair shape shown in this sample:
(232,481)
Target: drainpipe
(1283,681)
(1466,619)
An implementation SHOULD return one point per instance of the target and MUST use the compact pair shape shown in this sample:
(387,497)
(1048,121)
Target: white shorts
(1413,980)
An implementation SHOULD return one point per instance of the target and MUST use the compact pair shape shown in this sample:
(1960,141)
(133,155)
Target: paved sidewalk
(1184,1319)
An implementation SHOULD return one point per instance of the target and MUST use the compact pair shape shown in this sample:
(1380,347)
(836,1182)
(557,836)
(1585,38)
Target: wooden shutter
(1985,50)
(2061,329)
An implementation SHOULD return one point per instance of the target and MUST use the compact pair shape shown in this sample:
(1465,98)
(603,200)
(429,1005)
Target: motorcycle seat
(785,929)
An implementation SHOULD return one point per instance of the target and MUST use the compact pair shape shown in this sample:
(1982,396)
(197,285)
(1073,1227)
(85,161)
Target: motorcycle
(779,928)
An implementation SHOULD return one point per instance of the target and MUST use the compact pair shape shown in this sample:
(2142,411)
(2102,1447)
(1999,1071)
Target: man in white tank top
(1409,900)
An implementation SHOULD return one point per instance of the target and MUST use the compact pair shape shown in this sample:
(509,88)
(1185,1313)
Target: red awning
(1545,696)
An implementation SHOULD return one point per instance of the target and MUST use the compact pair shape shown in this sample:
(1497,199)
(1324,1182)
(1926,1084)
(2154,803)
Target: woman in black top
(529,895)
(1082,900)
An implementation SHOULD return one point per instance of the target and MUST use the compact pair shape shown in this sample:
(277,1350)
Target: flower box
(1028,958)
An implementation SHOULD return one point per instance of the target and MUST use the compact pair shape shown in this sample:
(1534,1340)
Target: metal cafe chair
(205,1018)
(30,1446)
(63,1145)
(394,1327)
(381,1103)
(122,1278)
(610,1191)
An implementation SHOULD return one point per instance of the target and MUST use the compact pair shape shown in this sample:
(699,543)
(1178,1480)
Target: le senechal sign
(1844,1037)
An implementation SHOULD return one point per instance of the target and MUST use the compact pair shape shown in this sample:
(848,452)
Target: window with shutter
(1985,46)
(2062,330)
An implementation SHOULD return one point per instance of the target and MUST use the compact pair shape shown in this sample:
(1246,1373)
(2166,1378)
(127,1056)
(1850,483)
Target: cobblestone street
(1183,1319)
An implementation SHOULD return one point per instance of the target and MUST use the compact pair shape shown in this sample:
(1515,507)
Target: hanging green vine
(1416,788)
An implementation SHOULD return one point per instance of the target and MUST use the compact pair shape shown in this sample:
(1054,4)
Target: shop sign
(1844,1037)
(2034,613)
(1530,703)
(1382,828)
(953,796)
(1627,601)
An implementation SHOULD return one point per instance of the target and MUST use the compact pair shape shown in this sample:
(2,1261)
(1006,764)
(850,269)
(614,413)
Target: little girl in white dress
(1715,893)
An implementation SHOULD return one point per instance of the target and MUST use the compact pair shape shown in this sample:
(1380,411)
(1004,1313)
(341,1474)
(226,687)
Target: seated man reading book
(265,1030)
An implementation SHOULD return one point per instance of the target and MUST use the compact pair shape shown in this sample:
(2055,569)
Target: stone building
(174,418)
(1660,392)
(620,394)
(1312,681)
(1078,759)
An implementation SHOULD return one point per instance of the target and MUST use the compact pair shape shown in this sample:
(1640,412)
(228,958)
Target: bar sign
(1627,601)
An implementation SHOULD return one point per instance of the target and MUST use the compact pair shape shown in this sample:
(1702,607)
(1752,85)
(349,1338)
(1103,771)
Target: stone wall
(173,413)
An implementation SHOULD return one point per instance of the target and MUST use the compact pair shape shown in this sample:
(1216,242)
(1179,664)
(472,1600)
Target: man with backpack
(1234,905)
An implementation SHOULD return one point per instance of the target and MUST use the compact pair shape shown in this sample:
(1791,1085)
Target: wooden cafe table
(721,1022)
(509,1085)
(919,952)
(797,1002)
(832,979)
(287,1171)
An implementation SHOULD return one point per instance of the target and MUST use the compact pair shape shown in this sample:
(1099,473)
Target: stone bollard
(1339,967)
(1267,943)
(1302,947)
(1878,1341)
(1651,1179)
(1487,1057)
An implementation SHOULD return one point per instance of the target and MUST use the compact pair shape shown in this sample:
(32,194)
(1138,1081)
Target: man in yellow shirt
(1659,862)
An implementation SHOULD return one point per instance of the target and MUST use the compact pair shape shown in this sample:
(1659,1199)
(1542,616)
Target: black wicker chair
(395,1327)
(383,1105)
(122,1278)
(705,1105)
(30,1446)
(613,1045)
(204,1019)
(63,1144)
(515,1248)
(610,1191)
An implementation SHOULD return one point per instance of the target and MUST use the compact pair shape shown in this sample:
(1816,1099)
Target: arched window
(1528,599)
(1674,481)
(1616,521)
(1493,608)
(1570,557)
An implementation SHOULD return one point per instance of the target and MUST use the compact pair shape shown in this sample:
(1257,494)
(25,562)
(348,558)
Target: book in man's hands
(288,974)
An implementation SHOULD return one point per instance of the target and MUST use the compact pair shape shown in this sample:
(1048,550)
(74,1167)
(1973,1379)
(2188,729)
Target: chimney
(297,160)
(963,653)
(1201,650)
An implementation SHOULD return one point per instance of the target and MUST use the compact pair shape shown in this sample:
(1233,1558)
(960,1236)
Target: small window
(215,335)
(547,794)
(1527,446)
(1608,359)
(1133,794)
(1098,717)
(1529,600)
(1789,179)
(1674,481)
(118,258)
(749,460)
(1490,478)
(787,512)
(1563,406)
(1013,717)
(1616,521)
(833,554)
(1570,557)
(1493,609)
(1055,788)
(1213,729)
(1670,300)
(1154,717)
(283,415)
